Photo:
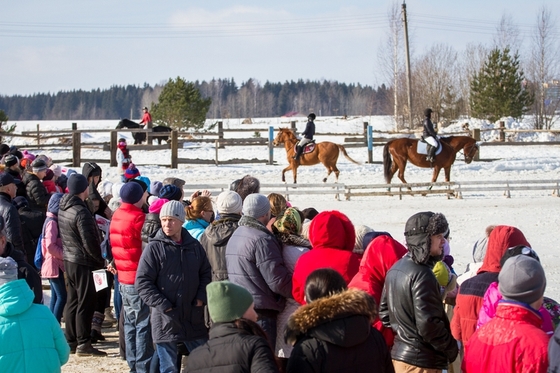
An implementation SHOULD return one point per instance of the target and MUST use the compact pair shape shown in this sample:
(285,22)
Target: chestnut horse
(403,150)
(325,152)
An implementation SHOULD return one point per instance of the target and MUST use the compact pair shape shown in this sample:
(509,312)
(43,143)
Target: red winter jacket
(379,257)
(471,293)
(513,341)
(332,238)
(126,240)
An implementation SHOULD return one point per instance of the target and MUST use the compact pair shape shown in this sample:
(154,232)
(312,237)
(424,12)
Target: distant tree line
(250,99)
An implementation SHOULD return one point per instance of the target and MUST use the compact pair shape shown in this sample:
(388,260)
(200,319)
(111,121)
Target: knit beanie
(131,193)
(522,279)
(4,148)
(142,184)
(56,169)
(77,183)
(38,165)
(155,207)
(8,270)
(10,160)
(227,301)
(229,202)
(173,209)
(256,205)
(131,172)
(170,192)
(155,187)
(145,180)
(49,175)
(361,231)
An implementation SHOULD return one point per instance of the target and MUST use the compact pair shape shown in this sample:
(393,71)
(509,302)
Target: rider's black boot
(299,150)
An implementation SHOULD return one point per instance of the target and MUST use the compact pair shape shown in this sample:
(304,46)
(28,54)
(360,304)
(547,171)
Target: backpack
(38,258)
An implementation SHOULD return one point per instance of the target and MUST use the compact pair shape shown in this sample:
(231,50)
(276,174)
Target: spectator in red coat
(379,257)
(332,238)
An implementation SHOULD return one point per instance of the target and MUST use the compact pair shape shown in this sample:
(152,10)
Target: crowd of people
(246,282)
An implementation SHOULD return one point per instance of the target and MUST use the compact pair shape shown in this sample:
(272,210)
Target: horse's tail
(387,163)
(343,150)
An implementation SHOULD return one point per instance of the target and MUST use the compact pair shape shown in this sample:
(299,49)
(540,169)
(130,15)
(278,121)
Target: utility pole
(407,53)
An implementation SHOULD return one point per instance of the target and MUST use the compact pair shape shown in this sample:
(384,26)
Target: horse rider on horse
(430,135)
(307,136)
(146,118)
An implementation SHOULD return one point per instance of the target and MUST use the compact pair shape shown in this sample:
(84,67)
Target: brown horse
(403,150)
(325,152)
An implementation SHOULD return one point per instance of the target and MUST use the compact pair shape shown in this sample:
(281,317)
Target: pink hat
(156,206)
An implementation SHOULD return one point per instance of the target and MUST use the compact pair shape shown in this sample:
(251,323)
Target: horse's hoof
(324,180)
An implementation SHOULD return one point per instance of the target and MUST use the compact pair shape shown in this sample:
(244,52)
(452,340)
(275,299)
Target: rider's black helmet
(311,116)
(428,112)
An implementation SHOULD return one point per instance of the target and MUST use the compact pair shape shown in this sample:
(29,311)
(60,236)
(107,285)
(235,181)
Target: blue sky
(66,45)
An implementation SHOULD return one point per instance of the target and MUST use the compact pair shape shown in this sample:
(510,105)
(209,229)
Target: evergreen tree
(497,90)
(181,106)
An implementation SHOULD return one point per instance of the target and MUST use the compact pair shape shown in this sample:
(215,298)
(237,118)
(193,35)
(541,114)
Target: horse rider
(146,118)
(307,135)
(430,135)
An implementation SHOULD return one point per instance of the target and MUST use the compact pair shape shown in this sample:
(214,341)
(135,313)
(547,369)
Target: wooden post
(76,149)
(502,133)
(293,126)
(174,149)
(113,149)
(74,126)
(221,133)
(366,124)
(216,146)
(38,137)
(476,136)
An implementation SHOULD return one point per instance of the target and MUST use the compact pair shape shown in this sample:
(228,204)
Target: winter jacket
(511,342)
(411,305)
(30,337)
(174,275)
(123,158)
(79,233)
(51,187)
(379,257)
(89,170)
(231,349)
(51,244)
(332,237)
(471,292)
(126,242)
(31,227)
(254,261)
(196,227)
(334,334)
(25,272)
(429,130)
(151,225)
(12,222)
(554,352)
(37,194)
(214,241)
(309,131)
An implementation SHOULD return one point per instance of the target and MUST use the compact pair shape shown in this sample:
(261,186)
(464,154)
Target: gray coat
(11,219)
(173,275)
(254,261)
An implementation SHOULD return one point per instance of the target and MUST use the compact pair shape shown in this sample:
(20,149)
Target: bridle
(470,155)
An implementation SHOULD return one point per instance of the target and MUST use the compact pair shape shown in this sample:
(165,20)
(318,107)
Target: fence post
(370,144)
(174,149)
(216,145)
(293,126)
(113,149)
(476,136)
(221,133)
(38,137)
(366,124)
(76,149)
(270,145)
(502,133)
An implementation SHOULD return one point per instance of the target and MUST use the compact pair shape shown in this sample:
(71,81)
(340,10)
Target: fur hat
(77,183)
(248,185)
(8,270)
(418,230)
(179,183)
(170,192)
(173,209)
(39,165)
(131,193)
(522,279)
(229,202)
(227,301)
(131,172)
(256,205)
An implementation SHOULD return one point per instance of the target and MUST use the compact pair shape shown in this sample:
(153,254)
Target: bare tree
(542,68)
(507,35)
(471,61)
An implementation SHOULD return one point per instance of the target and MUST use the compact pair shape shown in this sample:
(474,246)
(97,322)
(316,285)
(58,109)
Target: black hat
(10,160)
(4,149)
(77,183)
(311,116)
(428,112)
(7,179)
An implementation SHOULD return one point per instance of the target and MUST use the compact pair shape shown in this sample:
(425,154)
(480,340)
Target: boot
(87,349)
(429,155)
(96,324)
(109,318)
(299,150)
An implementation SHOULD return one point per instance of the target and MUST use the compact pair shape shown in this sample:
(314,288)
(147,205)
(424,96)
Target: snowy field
(536,213)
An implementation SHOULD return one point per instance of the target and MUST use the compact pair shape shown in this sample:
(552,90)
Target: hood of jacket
(343,319)
(220,231)
(332,230)
(15,298)
(186,238)
(502,238)
(91,169)
(196,224)
(54,203)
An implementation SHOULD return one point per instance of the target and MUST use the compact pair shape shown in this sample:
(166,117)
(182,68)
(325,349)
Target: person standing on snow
(307,135)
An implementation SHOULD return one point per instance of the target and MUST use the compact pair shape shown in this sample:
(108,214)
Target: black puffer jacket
(334,334)
(81,240)
(151,225)
(174,275)
(411,305)
(31,228)
(37,194)
(215,239)
(11,220)
(231,349)
(26,271)
(429,130)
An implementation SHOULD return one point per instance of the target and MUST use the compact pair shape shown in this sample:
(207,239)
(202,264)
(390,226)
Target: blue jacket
(196,227)
(30,337)
(174,275)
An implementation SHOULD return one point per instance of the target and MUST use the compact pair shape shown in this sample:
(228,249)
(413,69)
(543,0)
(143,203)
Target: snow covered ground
(534,212)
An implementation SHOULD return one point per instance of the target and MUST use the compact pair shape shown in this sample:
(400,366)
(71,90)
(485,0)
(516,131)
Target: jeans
(58,295)
(167,354)
(268,324)
(137,330)
(117,299)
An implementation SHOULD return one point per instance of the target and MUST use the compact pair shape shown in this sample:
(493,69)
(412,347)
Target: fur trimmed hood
(343,319)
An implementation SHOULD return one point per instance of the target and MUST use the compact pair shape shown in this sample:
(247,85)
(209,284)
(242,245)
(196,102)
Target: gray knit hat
(522,279)
(256,205)
(8,270)
(174,209)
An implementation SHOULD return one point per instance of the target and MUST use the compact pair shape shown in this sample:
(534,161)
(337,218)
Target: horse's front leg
(437,169)
(284,171)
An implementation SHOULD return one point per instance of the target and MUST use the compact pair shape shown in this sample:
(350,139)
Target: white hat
(229,202)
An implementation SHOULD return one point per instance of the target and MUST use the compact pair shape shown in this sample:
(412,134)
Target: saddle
(308,148)
(422,147)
